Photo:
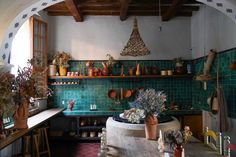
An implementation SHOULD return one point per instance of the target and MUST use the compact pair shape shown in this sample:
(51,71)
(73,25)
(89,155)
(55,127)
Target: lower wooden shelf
(73,138)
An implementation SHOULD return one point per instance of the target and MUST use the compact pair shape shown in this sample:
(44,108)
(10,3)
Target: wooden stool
(27,145)
(43,141)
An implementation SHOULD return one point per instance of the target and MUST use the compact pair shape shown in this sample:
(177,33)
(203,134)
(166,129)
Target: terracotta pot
(90,71)
(138,70)
(151,127)
(178,150)
(232,65)
(62,71)
(128,93)
(21,115)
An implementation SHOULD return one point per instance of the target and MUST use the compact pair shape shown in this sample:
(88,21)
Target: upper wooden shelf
(121,77)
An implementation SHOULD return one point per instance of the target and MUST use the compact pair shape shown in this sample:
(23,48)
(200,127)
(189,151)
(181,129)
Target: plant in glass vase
(151,103)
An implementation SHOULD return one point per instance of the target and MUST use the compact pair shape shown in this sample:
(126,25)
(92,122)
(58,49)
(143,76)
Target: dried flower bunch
(24,84)
(7,106)
(177,137)
(134,115)
(61,59)
(149,102)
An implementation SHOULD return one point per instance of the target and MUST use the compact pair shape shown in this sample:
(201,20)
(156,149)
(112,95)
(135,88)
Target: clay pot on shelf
(112,94)
(90,71)
(232,65)
(62,71)
(131,71)
(138,72)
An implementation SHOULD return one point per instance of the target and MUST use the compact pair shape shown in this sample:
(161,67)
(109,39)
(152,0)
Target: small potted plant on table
(148,104)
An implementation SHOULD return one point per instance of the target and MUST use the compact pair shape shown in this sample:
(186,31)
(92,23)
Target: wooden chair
(228,146)
(213,140)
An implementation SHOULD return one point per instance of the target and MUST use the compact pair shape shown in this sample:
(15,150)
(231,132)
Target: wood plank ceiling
(124,8)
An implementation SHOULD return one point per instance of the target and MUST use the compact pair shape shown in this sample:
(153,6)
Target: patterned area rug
(72,149)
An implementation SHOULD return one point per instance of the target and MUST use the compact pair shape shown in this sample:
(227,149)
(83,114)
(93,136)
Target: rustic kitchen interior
(99,68)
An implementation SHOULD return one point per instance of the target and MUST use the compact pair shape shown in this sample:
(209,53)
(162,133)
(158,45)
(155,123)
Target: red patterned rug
(71,149)
(87,149)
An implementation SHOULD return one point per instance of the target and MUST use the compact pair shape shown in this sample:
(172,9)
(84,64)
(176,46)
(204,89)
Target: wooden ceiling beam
(76,13)
(124,5)
(117,13)
(173,9)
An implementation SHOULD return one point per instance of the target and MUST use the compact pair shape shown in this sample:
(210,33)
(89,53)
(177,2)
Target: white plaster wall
(211,29)
(99,35)
(9,9)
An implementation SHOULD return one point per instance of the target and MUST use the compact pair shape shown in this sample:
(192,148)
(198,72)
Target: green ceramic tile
(187,93)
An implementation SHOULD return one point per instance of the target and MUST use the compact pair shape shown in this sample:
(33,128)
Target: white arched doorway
(225,7)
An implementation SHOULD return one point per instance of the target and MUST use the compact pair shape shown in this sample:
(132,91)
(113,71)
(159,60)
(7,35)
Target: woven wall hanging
(135,46)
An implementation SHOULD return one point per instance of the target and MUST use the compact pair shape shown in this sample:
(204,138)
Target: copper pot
(128,93)
(112,93)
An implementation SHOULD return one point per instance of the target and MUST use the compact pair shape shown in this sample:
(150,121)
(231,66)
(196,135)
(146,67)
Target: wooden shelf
(121,77)
(89,138)
(91,127)
(52,84)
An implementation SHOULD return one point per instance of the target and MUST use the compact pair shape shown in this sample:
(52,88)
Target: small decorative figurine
(160,142)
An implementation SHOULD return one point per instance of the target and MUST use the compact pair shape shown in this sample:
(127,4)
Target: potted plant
(61,60)
(179,65)
(177,138)
(7,106)
(23,89)
(151,103)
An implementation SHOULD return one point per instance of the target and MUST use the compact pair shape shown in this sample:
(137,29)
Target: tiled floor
(74,149)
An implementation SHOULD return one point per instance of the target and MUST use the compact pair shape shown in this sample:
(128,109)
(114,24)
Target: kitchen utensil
(128,93)
(232,65)
(112,93)
(121,94)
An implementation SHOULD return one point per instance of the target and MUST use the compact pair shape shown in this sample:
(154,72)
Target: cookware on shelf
(112,93)
(128,93)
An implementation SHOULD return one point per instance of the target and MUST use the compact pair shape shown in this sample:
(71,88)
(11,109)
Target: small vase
(52,70)
(90,71)
(21,115)
(138,70)
(178,150)
(151,127)
(105,71)
(62,71)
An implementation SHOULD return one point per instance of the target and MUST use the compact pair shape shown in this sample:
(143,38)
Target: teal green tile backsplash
(95,91)
(186,92)
(227,79)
